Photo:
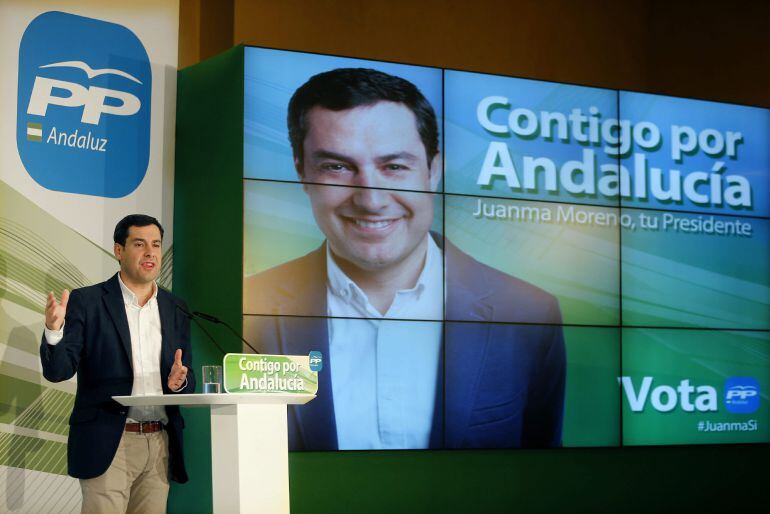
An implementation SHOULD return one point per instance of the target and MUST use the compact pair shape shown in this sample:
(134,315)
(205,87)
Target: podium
(249,446)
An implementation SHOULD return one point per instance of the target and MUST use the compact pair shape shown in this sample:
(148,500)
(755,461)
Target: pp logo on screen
(741,395)
(316,361)
(83,112)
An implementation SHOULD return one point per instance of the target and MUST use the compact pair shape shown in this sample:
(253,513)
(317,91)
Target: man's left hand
(178,375)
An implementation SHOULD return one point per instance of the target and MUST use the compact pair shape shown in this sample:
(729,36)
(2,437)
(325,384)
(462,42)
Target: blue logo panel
(741,395)
(83,115)
(316,361)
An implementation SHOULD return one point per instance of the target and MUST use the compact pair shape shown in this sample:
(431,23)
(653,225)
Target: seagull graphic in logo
(90,71)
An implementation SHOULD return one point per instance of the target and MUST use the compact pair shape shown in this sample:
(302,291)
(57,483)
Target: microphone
(200,326)
(207,317)
(214,319)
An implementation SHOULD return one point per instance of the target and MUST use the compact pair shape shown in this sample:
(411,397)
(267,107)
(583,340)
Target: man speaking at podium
(366,148)
(125,336)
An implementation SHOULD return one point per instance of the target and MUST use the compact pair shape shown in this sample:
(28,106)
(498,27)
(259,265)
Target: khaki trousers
(135,482)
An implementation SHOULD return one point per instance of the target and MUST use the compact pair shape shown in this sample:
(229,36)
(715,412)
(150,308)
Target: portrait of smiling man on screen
(399,373)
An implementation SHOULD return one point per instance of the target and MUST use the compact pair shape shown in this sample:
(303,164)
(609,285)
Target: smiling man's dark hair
(133,220)
(348,88)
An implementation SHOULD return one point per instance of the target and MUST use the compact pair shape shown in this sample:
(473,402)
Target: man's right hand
(55,311)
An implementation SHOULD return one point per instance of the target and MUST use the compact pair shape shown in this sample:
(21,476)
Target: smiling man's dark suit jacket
(504,382)
(97,346)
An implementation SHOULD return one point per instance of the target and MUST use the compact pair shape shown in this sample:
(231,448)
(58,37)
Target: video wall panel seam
(443,259)
(618,207)
(620,299)
(573,325)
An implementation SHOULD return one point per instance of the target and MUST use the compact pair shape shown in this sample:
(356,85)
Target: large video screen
(495,262)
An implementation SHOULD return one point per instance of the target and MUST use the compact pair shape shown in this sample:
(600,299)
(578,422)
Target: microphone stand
(214,319)
(200,325)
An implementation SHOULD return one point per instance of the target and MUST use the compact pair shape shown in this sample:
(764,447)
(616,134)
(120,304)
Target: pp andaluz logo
(84,98)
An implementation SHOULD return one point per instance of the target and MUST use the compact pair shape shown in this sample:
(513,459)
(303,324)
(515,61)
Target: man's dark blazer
(97,346)
(503,382)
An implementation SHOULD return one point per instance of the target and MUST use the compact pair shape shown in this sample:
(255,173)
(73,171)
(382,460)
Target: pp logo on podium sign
(316,361)
(84,99)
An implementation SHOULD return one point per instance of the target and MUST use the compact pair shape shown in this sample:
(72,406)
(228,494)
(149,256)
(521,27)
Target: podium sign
(285,374)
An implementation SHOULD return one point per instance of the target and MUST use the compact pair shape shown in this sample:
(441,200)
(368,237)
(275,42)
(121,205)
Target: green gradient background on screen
(278,225)
(696,280)
(592,404)
(705,357)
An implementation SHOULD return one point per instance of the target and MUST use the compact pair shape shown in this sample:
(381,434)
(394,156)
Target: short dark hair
(133,220)
(347,88)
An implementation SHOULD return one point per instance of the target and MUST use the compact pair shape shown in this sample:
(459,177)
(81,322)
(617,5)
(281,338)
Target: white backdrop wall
(52,236)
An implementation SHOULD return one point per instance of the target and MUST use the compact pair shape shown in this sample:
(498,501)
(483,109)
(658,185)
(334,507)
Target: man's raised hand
(178,375)
(55,311)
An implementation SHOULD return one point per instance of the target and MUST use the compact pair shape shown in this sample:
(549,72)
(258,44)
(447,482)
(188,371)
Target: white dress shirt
(384,372)
(144,327)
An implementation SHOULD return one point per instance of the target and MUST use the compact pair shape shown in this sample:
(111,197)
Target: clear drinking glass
(212,379)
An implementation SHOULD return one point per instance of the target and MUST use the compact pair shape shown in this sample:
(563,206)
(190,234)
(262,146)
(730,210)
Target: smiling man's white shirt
(384,372)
